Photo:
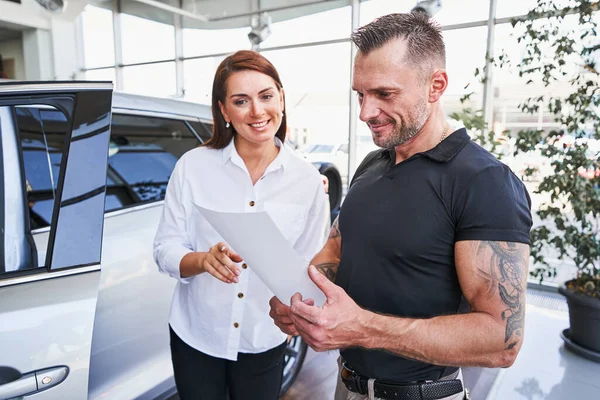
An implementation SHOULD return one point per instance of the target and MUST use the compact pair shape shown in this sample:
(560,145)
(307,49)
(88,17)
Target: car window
(203,129)
(48,189)
(141,157)
(41,131)
(321,148)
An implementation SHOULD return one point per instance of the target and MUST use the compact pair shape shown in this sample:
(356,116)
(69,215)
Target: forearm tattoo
(505,277)
(335,229)
(328,269)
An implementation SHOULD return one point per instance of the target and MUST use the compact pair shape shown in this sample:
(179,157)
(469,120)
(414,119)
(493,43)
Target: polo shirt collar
(449,147)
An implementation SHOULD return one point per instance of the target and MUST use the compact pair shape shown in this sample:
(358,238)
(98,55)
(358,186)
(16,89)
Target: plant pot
(584,317)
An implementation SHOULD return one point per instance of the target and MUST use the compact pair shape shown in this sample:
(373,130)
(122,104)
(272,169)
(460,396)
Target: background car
(83,308)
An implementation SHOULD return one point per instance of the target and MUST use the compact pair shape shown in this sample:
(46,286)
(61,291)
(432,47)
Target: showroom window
(142,155)
(317,94)
(98,37)
(321,26)
(198,76)
(104,74)
(197,42)
(156,80)
(146,40)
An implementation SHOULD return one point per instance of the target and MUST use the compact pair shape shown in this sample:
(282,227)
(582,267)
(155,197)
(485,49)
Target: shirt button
(252,204)
(244,266)
(240,295)
(236,325)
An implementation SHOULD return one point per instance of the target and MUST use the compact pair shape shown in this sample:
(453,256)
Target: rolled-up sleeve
(172,241)
(312,238)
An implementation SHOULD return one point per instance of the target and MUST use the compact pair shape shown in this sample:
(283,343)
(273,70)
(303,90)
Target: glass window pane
(451,12)
(42,132)
(369,10)
(145,40)
(317,98)
(459,11)
(198,78)
(143,152)
(198,42)
(461,67)
(105,74)
(151,79)
(98,38)
(328,25)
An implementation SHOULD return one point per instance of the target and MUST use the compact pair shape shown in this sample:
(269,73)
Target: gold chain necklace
(444,133)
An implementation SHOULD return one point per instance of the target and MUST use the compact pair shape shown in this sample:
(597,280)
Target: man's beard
(406,131)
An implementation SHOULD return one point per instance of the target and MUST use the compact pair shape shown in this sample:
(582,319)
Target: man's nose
(368,109)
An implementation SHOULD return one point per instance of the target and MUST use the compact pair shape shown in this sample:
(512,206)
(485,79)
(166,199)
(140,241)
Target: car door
(54,141)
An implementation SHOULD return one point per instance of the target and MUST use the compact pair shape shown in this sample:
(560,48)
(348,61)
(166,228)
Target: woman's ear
(225,115)
(282,99)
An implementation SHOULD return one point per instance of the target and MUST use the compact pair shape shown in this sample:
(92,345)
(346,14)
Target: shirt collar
(443,152)
(449,147)
(230,153)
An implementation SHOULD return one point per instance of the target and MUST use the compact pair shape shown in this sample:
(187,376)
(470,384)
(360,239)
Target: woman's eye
(240,102)
(267,97)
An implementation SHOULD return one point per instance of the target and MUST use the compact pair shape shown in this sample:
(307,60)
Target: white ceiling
(222,13)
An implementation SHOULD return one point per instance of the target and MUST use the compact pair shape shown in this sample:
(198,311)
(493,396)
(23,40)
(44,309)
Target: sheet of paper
(255,237)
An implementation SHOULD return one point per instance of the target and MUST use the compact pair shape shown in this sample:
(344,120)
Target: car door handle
(14,384)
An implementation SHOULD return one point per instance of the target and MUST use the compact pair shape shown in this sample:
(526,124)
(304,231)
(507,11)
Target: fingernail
(236,280)
(222,248)
(238,272)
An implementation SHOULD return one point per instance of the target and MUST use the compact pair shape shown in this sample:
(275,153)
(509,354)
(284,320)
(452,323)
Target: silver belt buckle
(467,394)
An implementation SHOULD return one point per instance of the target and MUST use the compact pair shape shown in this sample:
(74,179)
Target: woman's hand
(219,262)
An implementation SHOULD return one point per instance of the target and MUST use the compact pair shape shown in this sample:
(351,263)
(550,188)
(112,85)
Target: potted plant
(562,45)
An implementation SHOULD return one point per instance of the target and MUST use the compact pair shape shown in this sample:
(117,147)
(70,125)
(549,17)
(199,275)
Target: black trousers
(199,376)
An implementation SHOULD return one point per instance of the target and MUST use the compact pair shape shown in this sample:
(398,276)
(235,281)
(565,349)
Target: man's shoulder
(474,159)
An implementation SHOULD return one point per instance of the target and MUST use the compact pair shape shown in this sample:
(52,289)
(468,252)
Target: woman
(222,338)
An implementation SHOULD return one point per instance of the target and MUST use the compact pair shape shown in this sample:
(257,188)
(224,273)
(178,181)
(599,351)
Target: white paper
(255,237)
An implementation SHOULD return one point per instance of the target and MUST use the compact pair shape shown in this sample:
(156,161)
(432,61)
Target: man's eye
(383,95)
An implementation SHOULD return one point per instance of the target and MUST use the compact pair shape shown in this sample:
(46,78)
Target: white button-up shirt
(214,317)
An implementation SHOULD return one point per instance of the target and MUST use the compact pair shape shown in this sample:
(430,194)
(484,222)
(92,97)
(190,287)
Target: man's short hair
(425,44)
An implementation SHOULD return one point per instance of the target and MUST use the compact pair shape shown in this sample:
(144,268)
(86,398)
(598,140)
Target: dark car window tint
(142,155)
(42,135)
(204,130)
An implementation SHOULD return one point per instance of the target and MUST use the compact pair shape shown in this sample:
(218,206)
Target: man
(430,252)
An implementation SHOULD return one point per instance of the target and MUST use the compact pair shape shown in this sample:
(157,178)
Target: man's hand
(281,315)
(335,325)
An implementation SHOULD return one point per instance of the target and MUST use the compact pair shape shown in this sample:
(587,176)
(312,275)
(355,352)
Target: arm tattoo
(335,229)
(505,273)
(328,269)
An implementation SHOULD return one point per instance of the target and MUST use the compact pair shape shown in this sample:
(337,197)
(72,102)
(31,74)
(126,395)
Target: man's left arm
(492,275)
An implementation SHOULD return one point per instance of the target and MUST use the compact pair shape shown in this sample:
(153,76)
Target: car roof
(126,101)
(155,105)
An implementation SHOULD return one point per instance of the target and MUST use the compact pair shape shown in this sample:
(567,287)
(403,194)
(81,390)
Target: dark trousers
(199,376)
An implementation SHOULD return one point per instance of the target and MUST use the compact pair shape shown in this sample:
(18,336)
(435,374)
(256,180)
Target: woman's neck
(256,157)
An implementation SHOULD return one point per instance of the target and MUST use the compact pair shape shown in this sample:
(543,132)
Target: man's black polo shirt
(399,224)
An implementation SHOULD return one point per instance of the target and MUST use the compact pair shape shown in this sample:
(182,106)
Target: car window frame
(186,119)
(63,96)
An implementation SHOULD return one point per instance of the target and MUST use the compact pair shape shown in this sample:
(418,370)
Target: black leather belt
(427,390)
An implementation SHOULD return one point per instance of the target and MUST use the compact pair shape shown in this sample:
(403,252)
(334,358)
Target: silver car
(83,308)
